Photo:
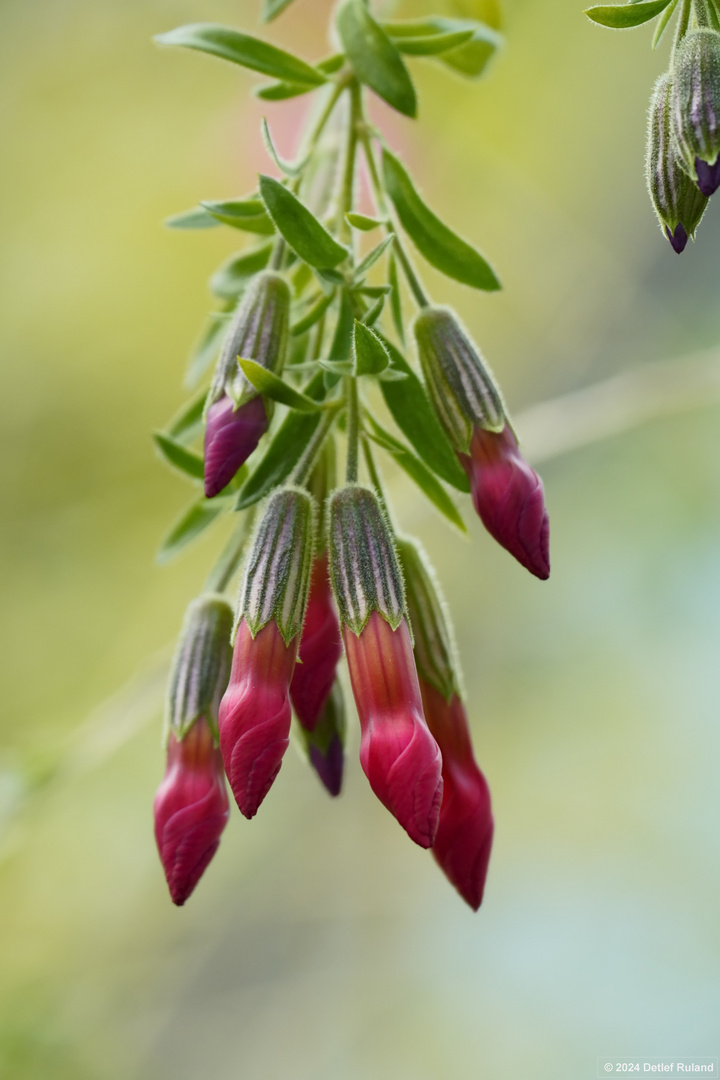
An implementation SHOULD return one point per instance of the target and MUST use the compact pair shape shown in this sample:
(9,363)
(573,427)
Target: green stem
(682,23)
(353,430)
(305,463)
(347,182)
(277,254)
(226,566)
(371,466)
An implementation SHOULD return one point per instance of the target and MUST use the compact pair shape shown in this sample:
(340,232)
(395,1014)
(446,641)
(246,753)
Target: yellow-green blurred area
(321,944)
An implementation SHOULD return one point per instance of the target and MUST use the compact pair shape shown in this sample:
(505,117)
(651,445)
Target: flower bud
(397,752)
(320,649)
(191,809)
(678,203)
(236,416)
(201,665)
(255,712)
(325,744)
(696,106)
(464,836)
(509,498)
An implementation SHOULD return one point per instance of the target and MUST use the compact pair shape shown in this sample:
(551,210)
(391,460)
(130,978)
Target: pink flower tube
(464,837)
(191,809)
(397,752)
(320,650)
(508,496)
(231,435)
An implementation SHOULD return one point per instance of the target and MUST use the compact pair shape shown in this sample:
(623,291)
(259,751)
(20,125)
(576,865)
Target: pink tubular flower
(397,752)
(320,650)
(508,496)
(231,435)
(191,809)
(465,832)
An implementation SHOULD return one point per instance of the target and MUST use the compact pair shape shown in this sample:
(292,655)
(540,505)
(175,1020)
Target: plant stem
(347,182)
(277,254)
(353,430)
(306,461)
(371,466)
(223,570)
(682,23)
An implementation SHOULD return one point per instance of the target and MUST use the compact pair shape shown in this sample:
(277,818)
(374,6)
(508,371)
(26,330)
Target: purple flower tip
(708,176)
(231,435)
(678,239)
(329,766)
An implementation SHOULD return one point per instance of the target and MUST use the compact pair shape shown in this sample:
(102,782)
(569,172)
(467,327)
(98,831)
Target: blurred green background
(322,944)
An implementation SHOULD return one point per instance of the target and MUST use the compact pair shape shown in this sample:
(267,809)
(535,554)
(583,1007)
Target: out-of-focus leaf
(363,222)
(419,473)
(315,313)
(337,367)
(395,300)
(369,354)
(206,348)
(284,166)
(414,415)
(230,278)
(468,58)
(662,23)
(433,44)
(272,8)
(442,248)
(274,387)
(372,315)
(372,257)
(331,64)
(342,338)
(374,58)
(197,218)
(177,455)
(624,16)
(281,91)
(198,517)
(186,421)
(249,215)
(239,48)
(285,449)
(303,232)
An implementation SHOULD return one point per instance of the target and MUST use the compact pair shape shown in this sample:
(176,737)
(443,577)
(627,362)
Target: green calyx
(675,197)
(201,666)
(695,104)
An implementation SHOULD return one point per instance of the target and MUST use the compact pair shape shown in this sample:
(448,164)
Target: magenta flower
(191,809)
(465,832)
(231,435)
(397,752)
(508,496)
(320,650)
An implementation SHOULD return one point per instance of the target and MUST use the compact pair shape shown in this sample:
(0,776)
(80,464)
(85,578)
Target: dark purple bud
(708,176)
(329,765)
(231,435)
(678,239)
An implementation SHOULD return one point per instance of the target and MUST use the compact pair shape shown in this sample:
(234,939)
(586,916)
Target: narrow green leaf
(274,387)
(419,473)
(662,23)
(372,315)
(395,298)
(373,291)
(331,64)
(337,367)
(187,420)
(303,232)
(272,8)
(285,449)
(198,517)
(433,44)
(414,415)
(206,348)
(373,57)
(372,257)
(249,52)
(330,279)
(178,456)
(624,16)
(284,166)
(369,354)
(197,218)
(442,248)
(315,313)
(231,277)
(281,91)
(341,344)
(469,59)
(363,222)
(249,215)
(390,374)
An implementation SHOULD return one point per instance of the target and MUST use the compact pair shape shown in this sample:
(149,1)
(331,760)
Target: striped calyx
(258,331)
(277,572)
(434,647)
(459,381)
(678,203)
(364,569)
(200,667)
(696,99)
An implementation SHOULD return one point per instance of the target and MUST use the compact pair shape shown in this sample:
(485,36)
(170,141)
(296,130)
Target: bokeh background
(321,943)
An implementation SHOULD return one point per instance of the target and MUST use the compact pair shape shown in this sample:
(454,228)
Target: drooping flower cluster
(324,573)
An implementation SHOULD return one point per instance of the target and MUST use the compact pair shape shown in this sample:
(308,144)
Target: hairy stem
(353,430)
(229,561)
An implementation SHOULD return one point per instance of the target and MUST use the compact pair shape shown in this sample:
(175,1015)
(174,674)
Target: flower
(508,496)
(254,717)
(325,744)
(231,435)
(191,809)
(320,649)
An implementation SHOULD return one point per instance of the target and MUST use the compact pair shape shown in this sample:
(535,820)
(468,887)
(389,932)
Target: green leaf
(249,215)
(274,387)
(623,16)
(414,415)
(363,222)
(242,49)
(341,344)
(331,64)
(372,315)
(315,313)
(230,278)
(337,367)
(372,257)
(206,348)
(395,299)
(281,91)
(272,8)
(303,232)
(428,484)
(433,44)
(178,456)
(285,449)
(390,374)
(469,59)
(442,248)
(370,355)
(192,524)
(373,57)
(284,166)
(186,421)
(662,22)
(197,218)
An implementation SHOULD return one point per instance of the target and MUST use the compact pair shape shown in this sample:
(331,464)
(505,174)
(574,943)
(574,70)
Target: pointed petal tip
(678,239)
